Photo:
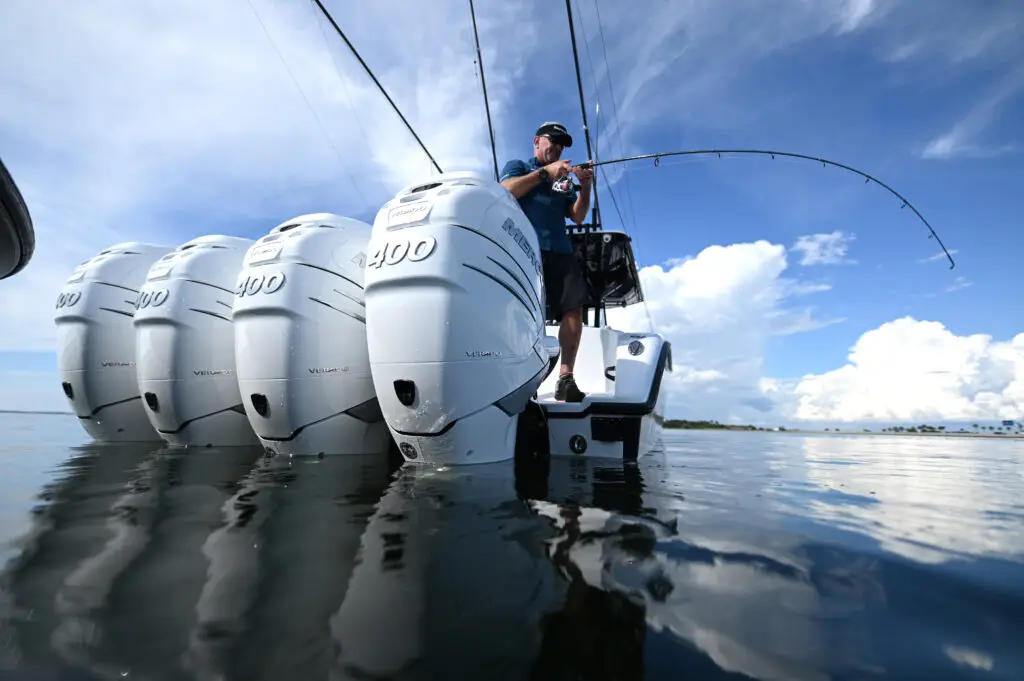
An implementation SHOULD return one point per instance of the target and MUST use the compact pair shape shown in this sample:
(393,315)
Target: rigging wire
(583,107)
(483,83)
(631,211)
(597,138)
(302,92)
(348,96)
(597,119)
(376,82)
(615,201)
(767,152)
(599,309)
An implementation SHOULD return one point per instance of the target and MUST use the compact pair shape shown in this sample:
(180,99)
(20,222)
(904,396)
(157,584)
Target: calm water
(730,556)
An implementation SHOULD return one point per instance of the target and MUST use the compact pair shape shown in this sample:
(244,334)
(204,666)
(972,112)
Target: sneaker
(566,390)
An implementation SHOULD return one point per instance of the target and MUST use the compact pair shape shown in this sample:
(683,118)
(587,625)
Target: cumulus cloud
(911,370)
(719,309)
(824,249)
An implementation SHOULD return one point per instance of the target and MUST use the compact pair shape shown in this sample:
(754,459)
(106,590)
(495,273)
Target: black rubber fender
(17,236)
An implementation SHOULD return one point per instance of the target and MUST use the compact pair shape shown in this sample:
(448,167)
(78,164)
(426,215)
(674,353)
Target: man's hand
(578,211)
(558,169)
(585,173)
(521,184)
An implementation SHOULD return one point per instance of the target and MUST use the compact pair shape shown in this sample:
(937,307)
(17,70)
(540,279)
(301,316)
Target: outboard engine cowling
(185,344)
(455,319)
(300,338)
(96,342)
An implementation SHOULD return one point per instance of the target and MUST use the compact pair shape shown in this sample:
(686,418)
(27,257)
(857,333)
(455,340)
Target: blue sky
(140,124)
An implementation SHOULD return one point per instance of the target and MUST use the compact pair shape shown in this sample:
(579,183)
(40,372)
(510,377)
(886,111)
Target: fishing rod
(763,152)
(483,84)
(394,106)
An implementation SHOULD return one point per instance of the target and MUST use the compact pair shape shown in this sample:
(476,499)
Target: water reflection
(704,562)
(930,500)
(67,529)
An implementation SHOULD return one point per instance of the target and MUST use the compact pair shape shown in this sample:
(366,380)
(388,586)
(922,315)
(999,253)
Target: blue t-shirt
(545,208)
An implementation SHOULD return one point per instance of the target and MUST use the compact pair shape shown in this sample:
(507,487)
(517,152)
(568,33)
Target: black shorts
(565,286)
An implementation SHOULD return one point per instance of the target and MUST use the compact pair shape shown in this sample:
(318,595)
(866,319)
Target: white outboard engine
(455,319)
(185,344)
(96,342)
(300,338)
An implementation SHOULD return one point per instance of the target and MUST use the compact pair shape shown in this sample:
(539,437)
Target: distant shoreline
(803,431)
(714,427)
(918,434)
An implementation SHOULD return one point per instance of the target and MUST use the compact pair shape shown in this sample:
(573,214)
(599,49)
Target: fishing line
(394,106)
(631,211)
(309,105)
(764,152)
(348,96)
(599,309)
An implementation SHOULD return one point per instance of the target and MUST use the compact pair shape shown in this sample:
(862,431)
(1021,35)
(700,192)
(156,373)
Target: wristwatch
(544,175)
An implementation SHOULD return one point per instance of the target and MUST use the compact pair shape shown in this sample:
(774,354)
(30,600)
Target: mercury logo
(509,227)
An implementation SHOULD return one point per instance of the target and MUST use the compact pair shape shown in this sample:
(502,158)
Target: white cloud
(958,284)
(961,140)
(941,255)
(682,43)
(132,122)
(719,309)
(910,370)
(824,249)
(854,13)
(966,138)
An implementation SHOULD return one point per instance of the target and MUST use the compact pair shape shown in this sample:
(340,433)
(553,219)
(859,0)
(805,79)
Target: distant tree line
(710,425)
(1015,426)
(1007,427)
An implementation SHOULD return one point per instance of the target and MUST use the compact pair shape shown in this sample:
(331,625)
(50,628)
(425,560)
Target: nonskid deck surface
(547,399)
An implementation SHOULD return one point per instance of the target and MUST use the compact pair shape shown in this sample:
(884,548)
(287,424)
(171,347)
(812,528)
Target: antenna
(483,84)
(583,110)
(377,82)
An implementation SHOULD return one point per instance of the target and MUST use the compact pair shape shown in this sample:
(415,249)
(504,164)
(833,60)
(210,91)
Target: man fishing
(547,196)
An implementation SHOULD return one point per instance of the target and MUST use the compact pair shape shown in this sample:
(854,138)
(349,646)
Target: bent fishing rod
(767,152)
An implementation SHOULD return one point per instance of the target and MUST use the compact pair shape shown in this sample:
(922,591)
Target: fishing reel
(562,185)
(565,185)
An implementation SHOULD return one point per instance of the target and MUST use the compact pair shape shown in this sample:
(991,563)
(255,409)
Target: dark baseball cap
(557,133)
